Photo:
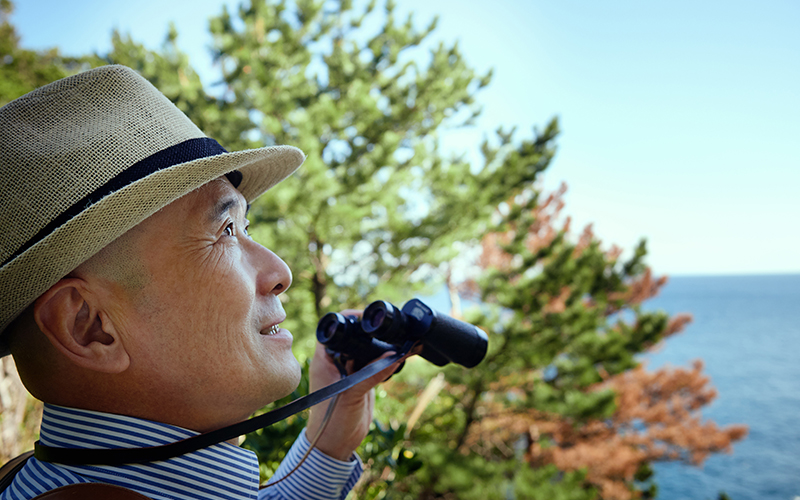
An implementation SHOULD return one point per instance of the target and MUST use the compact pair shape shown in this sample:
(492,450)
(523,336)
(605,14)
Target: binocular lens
(331,330)
(330,324)
(373,317)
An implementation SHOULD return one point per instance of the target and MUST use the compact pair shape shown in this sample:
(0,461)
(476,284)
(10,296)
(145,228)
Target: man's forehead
(206,203)
(217,197)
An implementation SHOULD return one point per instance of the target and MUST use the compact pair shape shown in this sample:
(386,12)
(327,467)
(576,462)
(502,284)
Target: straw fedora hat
(85,159)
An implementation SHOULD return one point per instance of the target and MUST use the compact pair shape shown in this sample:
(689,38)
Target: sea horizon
(729,275)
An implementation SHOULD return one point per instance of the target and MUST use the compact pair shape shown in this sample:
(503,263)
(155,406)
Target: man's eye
(229,229)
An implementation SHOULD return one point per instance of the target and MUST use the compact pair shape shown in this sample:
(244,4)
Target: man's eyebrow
(224,206)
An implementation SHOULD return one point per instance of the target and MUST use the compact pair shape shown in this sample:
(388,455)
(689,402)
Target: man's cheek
(227,304)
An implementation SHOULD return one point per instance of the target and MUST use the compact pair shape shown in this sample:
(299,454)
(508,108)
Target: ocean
(746,329)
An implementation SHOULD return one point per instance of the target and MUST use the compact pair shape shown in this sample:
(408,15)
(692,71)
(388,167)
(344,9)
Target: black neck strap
(120,456)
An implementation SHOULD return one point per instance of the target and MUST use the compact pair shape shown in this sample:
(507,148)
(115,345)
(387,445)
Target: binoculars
(383,327)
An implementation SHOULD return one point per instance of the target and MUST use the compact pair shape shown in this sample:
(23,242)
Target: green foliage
(644,482)
(24,70)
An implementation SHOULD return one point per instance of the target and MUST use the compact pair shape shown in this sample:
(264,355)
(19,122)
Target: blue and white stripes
(317,477)
(222,471)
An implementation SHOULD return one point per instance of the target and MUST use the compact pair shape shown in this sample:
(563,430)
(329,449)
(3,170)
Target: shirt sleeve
(319,478)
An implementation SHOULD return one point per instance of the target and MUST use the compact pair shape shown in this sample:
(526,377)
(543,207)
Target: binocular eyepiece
(384,328)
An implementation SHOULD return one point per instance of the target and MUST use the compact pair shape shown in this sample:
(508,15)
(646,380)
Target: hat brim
(34,271)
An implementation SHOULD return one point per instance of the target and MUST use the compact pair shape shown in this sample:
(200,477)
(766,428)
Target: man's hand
(349,423)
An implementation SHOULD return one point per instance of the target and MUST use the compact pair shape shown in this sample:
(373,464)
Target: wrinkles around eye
(230,229)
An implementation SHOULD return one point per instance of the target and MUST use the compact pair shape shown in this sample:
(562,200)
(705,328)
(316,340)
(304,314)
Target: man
(135,304)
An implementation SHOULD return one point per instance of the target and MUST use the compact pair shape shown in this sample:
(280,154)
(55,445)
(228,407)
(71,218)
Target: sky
(680,119)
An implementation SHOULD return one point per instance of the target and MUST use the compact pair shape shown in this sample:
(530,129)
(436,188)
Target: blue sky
(680,119)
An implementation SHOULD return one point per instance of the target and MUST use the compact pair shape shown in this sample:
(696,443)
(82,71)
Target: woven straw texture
(63,141)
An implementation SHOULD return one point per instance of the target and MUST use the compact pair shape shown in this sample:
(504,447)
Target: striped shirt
(220,472)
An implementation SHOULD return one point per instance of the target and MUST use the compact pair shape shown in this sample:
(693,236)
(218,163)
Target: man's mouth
(271,330)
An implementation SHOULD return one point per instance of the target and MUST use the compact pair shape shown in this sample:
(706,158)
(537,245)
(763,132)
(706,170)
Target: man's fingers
(352,312)
(381,376)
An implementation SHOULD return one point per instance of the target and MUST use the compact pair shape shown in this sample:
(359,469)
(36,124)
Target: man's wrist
(328,477)
(338,455)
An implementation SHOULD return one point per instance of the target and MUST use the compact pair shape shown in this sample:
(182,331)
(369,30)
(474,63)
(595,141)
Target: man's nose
(274,276)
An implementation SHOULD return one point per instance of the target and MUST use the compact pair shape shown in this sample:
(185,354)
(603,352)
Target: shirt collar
(219,471)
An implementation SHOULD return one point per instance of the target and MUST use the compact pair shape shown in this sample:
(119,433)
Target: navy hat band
(192,149)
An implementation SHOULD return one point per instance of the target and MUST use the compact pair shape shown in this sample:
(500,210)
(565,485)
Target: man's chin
(298,376)
(291,381)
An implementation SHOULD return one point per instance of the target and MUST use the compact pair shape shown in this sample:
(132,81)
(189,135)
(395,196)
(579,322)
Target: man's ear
(69,317)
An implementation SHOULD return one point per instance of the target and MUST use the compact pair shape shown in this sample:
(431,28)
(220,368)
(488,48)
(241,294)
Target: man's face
(201,332)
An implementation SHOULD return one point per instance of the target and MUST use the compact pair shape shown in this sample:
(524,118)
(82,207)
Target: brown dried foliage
(540,234)
(546,216)
(657,419)
(637,291)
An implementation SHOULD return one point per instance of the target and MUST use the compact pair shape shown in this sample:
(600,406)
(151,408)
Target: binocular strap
(120,456)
